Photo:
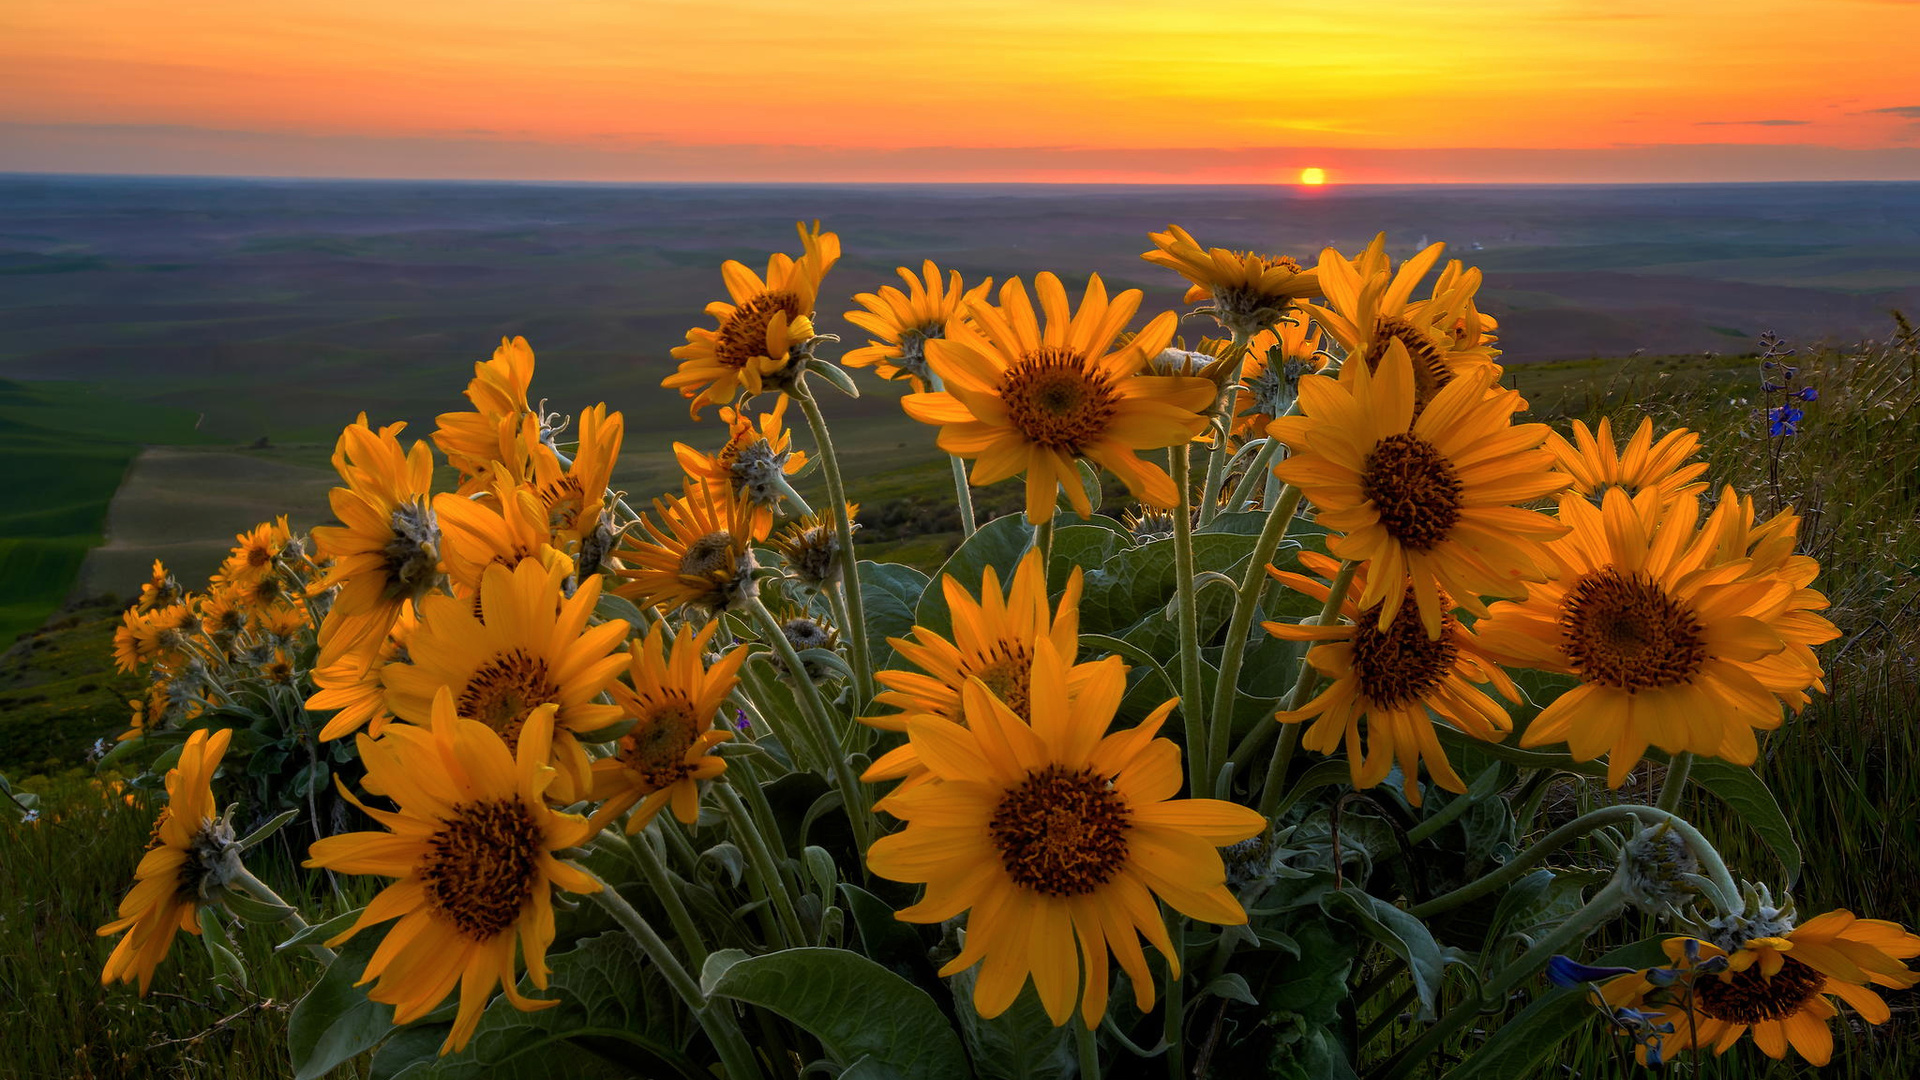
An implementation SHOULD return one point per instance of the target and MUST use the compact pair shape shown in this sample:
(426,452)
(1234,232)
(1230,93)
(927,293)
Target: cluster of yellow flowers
(496,695)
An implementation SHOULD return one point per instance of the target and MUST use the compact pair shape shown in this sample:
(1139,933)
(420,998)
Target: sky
(1371,91)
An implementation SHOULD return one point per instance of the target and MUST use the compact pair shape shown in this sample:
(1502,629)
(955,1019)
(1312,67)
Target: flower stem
(852,795)
(654,869)
(716,1018)
(963,495)
(1226,689)
(771,882)
(1273,785)
(262,892)
(1675,784)
(1089,1051)
(1255,478)
(843,530)
(1216,460)
(1176,1003)
(1199,776)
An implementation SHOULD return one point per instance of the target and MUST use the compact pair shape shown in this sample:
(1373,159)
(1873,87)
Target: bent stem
(661,880)
(1273,785)
(1226,689)
(716,1017)
(852,796)
(843,530)
(1191,705)
(771,883)
(1676,782)
(1216,460)
(260,891)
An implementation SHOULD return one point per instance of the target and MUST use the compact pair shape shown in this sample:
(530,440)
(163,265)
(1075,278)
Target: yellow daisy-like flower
(1474,334)
(1384,684)
(353,688)
(1645,464)
(575,496)
(1369,309)
(157,637)
(699,555)
(257,548)
(1270,373)
(472,845)
(810,547)
(504,530)
(170,882)
(529,646)
(1776,987)
(903,323)
(672,701)
(759,331)
(1056,836)
(1736,533)
(221,616)
(758,455)
(1663,635)
(386,552)
(476,442)
(1023,397)
(1249,291)
(159,590)
(1431,498)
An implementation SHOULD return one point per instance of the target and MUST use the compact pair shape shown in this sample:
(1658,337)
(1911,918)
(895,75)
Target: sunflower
(387,551)
(1250,291)
(184,863)
(1661,466)
(1474,335)
(1022,397)
(758,333)
(672,702)
(1386,681)
(503,530)
(575,497)
(758,456)
(257,548)
(158,637)
(220,615)
(699,555)
(903,323)
(475,442)
(1054,833)
(473,846)
(529,646)
(810,547)
(1775,986)
(1771,547)
(1270,374)
(1370,308)
(1663,635)
(159,590)
(1427,498)
(352,686)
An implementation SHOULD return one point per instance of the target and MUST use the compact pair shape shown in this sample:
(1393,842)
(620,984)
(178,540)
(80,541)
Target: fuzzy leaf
(1747,796)
(999,543)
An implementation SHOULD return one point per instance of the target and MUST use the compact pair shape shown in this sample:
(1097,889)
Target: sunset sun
(1313,177)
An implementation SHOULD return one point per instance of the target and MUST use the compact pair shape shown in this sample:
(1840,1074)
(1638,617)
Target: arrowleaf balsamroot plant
(923,826)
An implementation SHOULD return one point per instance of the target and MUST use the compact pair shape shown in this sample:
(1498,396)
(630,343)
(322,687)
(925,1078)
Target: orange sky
(1391,90)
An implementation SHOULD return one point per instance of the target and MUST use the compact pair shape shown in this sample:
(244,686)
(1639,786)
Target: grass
(1845,771)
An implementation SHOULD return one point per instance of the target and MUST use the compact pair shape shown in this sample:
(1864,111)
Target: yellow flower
(575,497)
(1057,836)
(698,556)
(258,547)
(503,530)
(1776,987)
(353,688)
(479,441)
(672,702)
(810,547)
(1250,291)
(1270,374)
(758,333)
(157,637)
(173,878)
(220,614)
(1596,464)
(529,646)
(1736,534)
(757,457)
(1430,498)
(472,845)
(902,323)
(1022,397)
(158,591)
(386,551)
(1663,635)
(1384,684)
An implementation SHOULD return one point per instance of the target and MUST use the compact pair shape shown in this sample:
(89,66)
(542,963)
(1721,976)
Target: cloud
(1911,112)
(1760,123)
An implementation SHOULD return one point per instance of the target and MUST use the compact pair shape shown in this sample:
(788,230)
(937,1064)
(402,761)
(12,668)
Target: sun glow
(1313,177)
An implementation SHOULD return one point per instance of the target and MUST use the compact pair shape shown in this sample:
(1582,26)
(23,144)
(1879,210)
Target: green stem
(1714,869)
(1226,689)
(843,529)
(1604,905)
(771,884)
(260,891)
(1199,776)
(1176,1003)
(1675,784)
(654,869)
(852,795)
(1043,543)
(716,1017)
(801,745)
(1255,478)
(1216,460)
(1089,1051)
(963,495)
(1273,785)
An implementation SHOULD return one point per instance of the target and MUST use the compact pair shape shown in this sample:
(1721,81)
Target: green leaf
(999,543)
(885,939)
(890,593)
(854,1007)
(1089,544)
(335,1021)
(610,606)
(1139,582)
(254,838)
(1520,1048)
(320,932)
(1407,937)
(1019,1044)
(1747,796)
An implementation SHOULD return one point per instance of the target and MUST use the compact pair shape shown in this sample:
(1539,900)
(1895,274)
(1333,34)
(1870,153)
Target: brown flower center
(1008,672)
(564,500)
(482,866)
(1401,664)
(1061,832)
(1414,489)
(504,691)
(1430,370)
(1623,630)
(1055,401)
(657,746)
(1749,997)
(744,335)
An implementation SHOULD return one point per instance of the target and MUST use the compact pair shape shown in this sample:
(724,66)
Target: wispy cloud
(1911,112)
(1750,123)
